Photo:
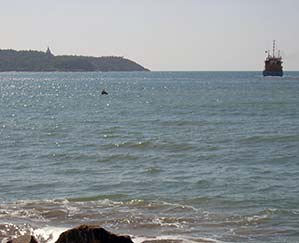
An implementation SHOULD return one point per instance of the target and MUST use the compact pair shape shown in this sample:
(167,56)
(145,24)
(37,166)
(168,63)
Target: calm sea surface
(183,156)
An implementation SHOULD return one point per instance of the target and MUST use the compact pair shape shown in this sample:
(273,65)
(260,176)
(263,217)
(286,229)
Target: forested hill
(38,61)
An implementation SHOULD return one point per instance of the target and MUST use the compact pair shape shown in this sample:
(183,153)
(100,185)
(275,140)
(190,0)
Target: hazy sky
(159,34)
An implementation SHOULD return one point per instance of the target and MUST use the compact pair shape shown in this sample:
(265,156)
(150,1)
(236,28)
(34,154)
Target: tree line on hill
(38,61)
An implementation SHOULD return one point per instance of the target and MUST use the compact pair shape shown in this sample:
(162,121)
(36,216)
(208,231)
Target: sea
(166,157)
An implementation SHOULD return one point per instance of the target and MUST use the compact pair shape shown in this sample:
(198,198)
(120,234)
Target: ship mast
(273,48)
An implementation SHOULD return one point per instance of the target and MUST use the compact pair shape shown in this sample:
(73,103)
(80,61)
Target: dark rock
(91,234)
(23,239)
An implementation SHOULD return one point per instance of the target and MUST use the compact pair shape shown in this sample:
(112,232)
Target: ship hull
(273,73)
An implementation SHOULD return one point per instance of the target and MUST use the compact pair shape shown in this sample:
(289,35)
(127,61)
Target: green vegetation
(38,61)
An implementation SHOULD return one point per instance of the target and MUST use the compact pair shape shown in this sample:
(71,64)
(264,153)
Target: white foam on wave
(48,234)
(175,238)
(4,240)
(161,221)
(51,234)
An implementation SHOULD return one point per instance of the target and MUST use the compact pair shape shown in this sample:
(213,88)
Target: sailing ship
(273,63)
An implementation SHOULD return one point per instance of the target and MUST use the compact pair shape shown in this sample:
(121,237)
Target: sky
(162,35)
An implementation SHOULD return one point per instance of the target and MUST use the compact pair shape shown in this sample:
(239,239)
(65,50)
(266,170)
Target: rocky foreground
(81,234)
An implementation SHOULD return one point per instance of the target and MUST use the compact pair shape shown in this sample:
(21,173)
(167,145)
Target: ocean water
(166,156)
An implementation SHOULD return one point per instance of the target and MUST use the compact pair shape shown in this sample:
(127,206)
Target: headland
(38,61)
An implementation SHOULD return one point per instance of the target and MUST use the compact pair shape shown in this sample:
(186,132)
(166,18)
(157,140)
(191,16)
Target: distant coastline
(38,61)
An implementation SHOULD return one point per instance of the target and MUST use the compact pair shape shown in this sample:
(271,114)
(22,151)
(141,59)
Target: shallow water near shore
(165,157)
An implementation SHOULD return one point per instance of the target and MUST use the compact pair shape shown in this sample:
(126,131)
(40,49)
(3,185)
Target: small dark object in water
(104,92)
